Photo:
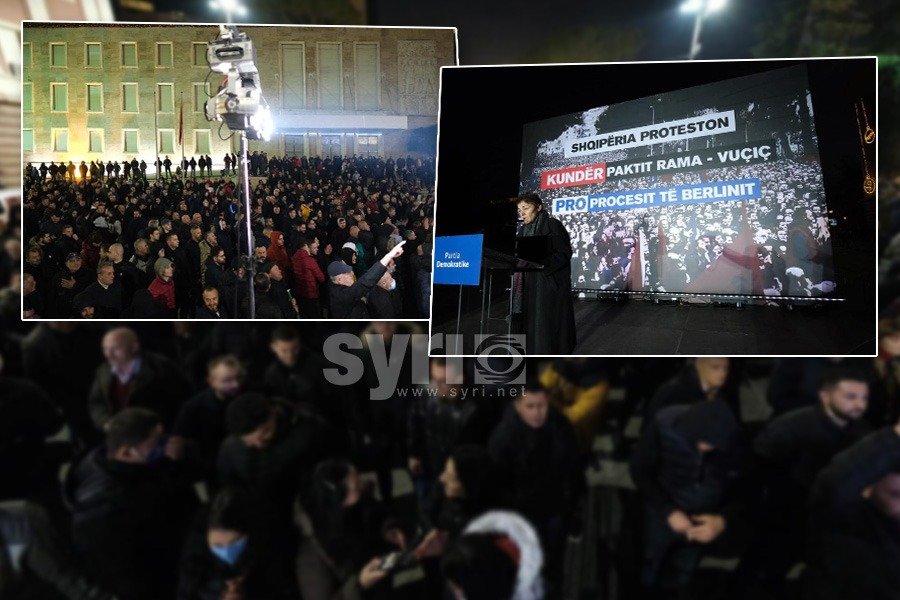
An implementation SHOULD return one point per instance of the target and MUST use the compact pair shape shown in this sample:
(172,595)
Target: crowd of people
(889,244)
(210,461)
(328,235)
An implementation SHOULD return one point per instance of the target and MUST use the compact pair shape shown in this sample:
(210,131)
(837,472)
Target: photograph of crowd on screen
(692,208)
(137,203)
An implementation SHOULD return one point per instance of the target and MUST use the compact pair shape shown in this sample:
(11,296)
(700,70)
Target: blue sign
(457,259)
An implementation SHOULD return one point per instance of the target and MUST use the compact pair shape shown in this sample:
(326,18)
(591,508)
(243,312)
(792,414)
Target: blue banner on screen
(719,191)
(457,259)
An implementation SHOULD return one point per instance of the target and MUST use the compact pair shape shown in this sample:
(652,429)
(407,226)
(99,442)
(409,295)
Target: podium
(493,262)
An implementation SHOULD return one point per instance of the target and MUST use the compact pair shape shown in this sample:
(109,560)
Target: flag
(181,121)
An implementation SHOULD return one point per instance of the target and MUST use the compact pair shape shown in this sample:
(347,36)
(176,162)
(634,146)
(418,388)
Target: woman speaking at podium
(545,296)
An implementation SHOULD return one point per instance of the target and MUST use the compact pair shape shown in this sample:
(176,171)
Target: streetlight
(230,7)
(701,8)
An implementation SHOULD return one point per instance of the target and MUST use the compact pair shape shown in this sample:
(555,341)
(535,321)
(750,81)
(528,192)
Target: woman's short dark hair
(233,509)
(532,199)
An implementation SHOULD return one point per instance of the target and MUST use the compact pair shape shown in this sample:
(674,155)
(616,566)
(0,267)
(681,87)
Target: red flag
(181,121)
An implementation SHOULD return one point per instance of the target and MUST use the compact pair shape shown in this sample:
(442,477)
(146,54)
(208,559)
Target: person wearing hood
(498,557)
(854,530)
(278,254)
(130,505)
(347,296)
(544,297)
(685,467)
(227,556)
(537,457)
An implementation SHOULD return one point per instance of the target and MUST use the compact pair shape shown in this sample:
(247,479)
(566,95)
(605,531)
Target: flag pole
(156,130)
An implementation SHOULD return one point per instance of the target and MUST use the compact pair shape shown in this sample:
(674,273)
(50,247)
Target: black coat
(159,385)
(107,302)
(129,523)
(346,301)
(672,474)
(854,549)
(541,467)
(203,575)
(385,305)
(547,305)
(202,421)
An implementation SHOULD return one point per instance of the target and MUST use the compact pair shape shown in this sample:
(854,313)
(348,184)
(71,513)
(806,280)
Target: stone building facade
(118,91)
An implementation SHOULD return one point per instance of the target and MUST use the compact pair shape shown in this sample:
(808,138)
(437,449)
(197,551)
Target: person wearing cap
(684,466)
(279,291)
(71,280)
(308,277)
(162,288)
(347,297)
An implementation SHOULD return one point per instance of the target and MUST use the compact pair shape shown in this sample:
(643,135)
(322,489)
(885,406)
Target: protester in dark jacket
(343,533)
(131,505)
(44,564)
(130,377)
(536,453)
(790,452)
(272,448)
(854,537)
(702,379)
(346,295)
(201,421)
(228,554)
(685,465)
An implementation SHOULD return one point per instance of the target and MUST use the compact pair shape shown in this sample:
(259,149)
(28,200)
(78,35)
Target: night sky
(501,31)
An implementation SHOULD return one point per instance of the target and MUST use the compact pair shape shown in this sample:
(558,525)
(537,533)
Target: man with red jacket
(308,276)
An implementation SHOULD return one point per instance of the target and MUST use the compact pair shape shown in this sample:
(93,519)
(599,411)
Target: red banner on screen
(573,176)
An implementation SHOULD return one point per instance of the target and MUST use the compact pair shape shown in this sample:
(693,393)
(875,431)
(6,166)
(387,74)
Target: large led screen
(714,189)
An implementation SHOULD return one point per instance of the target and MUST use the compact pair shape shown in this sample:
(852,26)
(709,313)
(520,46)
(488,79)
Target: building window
(95,140)
(130,141)
(94,97)
(129,54)
(329,69)
(130,97)
(367,145)
(28,140)
(294,145)
(27,97)
(166,141)
(201,141)
(163,54)
(60,140)
(293,76)
(26,54)
(58,55)
(199,54)
(59,97)
(201,94)
(93,54)
(165,98)
(366,75)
